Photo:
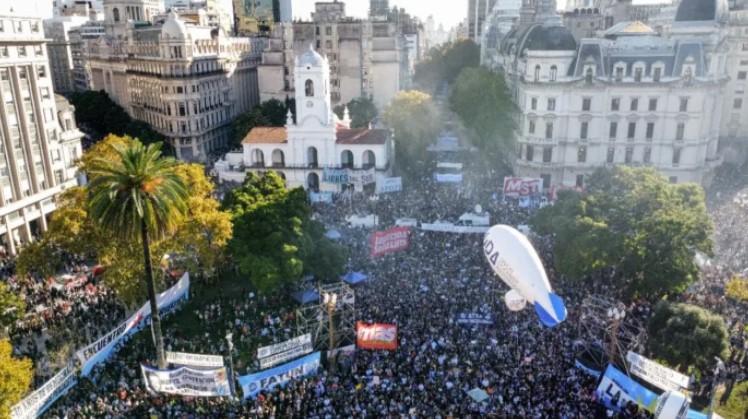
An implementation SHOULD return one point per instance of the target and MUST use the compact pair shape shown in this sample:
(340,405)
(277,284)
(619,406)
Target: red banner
(376,336)
(390,241)
(514,187)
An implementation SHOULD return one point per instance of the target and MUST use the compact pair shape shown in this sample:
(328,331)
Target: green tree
(271,113)
(416,122)
(15,378)
(139,196)
(445,62)
(634,220)
(275,241)
(737,288)
(12,308)
(686,335)
(481,100)
(362,111)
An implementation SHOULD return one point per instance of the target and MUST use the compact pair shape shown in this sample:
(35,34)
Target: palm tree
(138,193)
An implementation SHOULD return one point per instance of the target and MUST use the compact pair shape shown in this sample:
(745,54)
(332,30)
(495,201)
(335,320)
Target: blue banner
(265,380)
(474,318)
(336,176)
(616,389)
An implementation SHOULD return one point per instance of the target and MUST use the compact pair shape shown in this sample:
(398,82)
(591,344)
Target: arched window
(278,158)
(115,14)
(369,159)
(588,75)
(258,158)
(554,72)
(537,72)
(346,159)
(312,182)
(311,157)
(309,88)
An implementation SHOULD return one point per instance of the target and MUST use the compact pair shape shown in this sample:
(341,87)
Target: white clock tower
(313,106)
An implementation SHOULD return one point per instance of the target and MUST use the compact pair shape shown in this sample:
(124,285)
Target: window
(583,130)
(530,152)
(547,154)
(611,155)
(328,44)
(647,154)
(3,51)
(586,104)
(531,127)
(629,155)
(615,104)
(22,51)
(635,104)
(650,130)
(652,105)
(742,75)
(319,44)
(115,14)
(554,72)
(657,74)
(680,131)
(537,72)
(41,71)
(328,30)
(631,131)
(684,104)
(316,31)
(582,154)
(38,50)
(549,130)
(638,74)
(551,104)
(613,133)
(309,88)
(182,110)
(580,181)
(737,103)
(619,73)
(534,103)
(2,27)
(546,181)
(44,91)
(676,156)
(588,75)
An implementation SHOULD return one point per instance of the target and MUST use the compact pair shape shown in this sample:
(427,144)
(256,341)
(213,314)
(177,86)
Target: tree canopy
(481,100)
(445,62)
(686,335)
(198,240)
(275,241)
(416,122)
(634,220)
(271,113)
(12,307)
(15,378)
(362,111)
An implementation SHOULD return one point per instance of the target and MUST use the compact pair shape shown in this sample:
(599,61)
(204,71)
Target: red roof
(266,135)
(361,136)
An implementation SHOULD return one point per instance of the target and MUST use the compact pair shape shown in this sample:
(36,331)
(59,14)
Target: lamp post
(330,300)
(616,315)
(719,367)
(229,337)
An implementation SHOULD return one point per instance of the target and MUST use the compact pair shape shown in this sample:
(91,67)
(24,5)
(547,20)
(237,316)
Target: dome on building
(701,10)
(547,38)
(311,58)
(174,27)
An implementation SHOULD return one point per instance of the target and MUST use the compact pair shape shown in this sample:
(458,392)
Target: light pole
(229,337)
(616,315)
(330,300)
(718,369)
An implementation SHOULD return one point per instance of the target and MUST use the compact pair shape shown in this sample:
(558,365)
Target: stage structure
(332,319)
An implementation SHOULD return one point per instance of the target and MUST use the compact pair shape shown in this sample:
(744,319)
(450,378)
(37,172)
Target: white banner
(391,184)
(656,374)
(284,356)
(451,228)
(361,178)
(447,165)
(103,348)
(186,381)
(37,402)
(194,360)
(298,341)
(448,177)
(320,197)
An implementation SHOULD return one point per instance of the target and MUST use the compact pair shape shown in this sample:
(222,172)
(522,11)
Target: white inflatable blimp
(516,262)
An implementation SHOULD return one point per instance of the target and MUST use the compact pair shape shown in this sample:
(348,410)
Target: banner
(186,381)
(448,177)
(616,389)
(102,349)
(361,178)
(656,374)
(336,176)
(474,318)
(389,241)
(515,187)
(270,356)
(376,336)
(320,197)
(265,380)
(451,228)
(194,360)
(391,184)
(39,401)
(447,165)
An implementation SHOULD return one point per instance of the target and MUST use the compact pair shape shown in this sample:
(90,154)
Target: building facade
(317,143)
(188,81)
(631,97)
(477,13)
(39,141)
(60,50)
(258,17)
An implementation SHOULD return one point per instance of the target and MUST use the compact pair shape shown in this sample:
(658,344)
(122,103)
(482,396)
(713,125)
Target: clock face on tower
(309,104)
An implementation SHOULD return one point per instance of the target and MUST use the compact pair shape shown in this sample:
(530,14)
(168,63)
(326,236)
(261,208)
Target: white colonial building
(628,97)
(318,144)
